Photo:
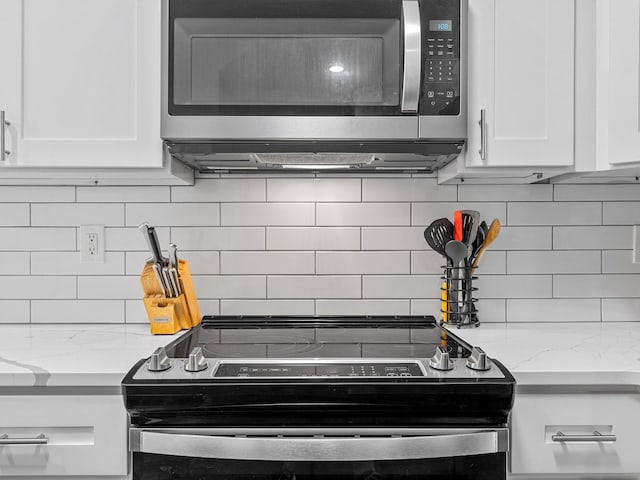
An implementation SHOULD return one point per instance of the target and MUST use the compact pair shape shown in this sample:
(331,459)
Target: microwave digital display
(440,25)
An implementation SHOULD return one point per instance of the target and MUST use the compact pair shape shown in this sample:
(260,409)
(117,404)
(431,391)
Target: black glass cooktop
(318,337)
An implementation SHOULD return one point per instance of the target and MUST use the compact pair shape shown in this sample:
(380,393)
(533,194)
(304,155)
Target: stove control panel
(318,370)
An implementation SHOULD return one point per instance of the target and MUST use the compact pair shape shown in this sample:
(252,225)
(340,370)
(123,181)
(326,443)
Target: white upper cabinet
(521,74)
(617,83)
(80,83)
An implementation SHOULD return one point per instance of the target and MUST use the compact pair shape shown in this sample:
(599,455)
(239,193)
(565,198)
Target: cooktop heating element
(295,370)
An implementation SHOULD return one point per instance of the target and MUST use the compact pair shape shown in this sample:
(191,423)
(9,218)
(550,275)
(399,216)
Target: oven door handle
(412,56)
(318,449)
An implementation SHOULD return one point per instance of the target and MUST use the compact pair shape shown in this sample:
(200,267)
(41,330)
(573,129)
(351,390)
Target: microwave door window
(287,62)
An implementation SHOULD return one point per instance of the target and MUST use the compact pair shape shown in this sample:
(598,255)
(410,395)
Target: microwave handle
(305,449)
(412,55)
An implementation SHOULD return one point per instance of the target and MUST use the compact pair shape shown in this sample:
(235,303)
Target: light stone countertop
(562,354)
(73,355)
(537,354)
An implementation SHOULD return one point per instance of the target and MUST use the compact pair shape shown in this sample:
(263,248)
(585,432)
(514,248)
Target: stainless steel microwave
(352,84)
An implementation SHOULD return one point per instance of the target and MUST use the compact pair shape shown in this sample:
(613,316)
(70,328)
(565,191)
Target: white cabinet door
(80,82)
(521,73)
(537,418)
(617,82)
(81,435)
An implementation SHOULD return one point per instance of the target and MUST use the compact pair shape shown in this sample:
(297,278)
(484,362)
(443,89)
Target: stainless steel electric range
(319,397)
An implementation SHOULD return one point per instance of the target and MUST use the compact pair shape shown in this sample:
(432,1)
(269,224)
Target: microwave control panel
(440,24)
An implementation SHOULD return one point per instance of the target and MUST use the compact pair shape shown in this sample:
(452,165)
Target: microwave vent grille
(314,158)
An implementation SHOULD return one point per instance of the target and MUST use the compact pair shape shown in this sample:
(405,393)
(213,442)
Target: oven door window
(164,467)
(467,456)
(266,57)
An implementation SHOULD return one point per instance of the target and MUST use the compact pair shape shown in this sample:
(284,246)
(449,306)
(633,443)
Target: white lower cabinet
(537,447)
(81,435)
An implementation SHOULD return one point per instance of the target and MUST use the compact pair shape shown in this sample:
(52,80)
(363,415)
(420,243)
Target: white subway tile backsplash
(422,214)
(111,287)
(74,215)
(128,239)
(69,263)
(393,238)
(14,263)
(592,238)
(406,190)
(267,307)
(313,287)
(41,194)
(554,213)
(601,192)
(598,286)
(619,261)
(16,287)
(363,307)
(621,213)
(523,238)
(401,286)
(222,190)
(135,194)
(426,263)
(505,193)
(620,309)
(222,238)
(30,239)
(14,215)
(313,238)
(135,312)
(230,287)
(275,263)
(313,189)
(514,286)
(365,214)
(267,214)
(77,311)
(567,261)
(553,310)
(345,263)
(15,311)
(320,244)
(173,214)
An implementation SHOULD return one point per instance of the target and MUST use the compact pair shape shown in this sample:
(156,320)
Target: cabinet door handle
(596,437)
(41,439)
(3,125)
(483,135)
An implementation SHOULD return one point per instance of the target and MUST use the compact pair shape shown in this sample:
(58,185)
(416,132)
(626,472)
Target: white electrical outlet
(92,243)
(636,244)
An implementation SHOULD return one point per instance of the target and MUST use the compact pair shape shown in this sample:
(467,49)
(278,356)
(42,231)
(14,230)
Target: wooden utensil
(492,234)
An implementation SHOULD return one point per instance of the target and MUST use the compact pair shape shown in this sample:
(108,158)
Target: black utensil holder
(460,306)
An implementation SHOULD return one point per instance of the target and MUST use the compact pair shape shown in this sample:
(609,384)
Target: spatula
(492,234)
(438,234)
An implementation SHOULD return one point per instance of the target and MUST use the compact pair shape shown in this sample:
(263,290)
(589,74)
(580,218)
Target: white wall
(325,246)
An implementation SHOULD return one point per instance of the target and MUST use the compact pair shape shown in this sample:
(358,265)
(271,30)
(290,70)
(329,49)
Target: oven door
(301,454)
(283,68)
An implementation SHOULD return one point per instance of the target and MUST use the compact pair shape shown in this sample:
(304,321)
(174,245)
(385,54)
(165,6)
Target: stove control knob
(441,361)
(159,361)
(478,360)
(196,361)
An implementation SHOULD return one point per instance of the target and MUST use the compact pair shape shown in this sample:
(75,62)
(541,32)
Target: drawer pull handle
(596,437)
(41,439)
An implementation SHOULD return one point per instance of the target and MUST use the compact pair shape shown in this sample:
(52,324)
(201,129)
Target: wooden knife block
(168,315)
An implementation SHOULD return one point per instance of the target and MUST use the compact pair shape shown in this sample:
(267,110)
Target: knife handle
(175,282)
(157,270)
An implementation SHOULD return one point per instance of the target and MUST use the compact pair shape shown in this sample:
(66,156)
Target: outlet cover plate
(91,243)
